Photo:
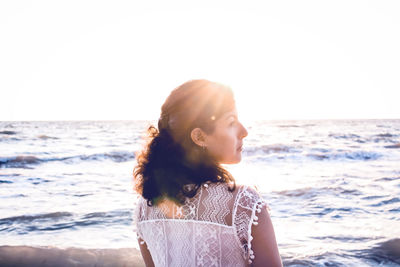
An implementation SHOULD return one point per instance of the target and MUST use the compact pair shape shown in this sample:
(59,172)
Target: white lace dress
(211,229)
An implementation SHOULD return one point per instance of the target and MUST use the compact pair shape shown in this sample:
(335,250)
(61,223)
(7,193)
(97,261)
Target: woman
(191,212)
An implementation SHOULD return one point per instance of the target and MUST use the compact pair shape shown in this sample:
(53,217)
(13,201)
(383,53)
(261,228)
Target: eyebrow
(231,115)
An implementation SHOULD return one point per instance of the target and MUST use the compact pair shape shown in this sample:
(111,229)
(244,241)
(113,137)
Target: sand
(51,256)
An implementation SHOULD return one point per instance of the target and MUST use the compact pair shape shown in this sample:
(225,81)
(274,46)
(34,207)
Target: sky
(118,60)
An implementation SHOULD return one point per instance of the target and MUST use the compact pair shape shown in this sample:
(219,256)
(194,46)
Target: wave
(295,125)
(10,175)
(33,180)
(386,202)
(30,218)
(261,153)
(289,126)
(347,239)
(24,161)
(45,137)
(324,259)
(15,196)
(281,151)
(8,132)
(385,138)
(352,155)
(388,178)
(37,180)
(377,138)
(19,161)
(28,256)
(382,253)
(121,156)
(310,192)
(307,192)
(393,146)
(386,253)
(386,135)
(354,137)
(344,136)
(63,220)
(373,197)
(269,149)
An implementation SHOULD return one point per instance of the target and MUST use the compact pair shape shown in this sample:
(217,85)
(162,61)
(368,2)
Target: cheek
(224,148)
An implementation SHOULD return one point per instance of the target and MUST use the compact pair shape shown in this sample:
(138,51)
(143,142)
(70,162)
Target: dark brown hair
(171,165)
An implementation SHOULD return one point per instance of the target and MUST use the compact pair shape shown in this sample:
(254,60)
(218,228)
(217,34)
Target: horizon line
(147,120)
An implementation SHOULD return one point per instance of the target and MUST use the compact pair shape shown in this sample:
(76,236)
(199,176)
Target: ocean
(333,187)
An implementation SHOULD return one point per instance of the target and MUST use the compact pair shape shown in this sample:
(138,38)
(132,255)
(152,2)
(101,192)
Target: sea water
(333,186)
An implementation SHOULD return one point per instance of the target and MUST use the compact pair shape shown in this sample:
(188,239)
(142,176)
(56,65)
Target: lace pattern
(211,229)
(216,204)
(248,203)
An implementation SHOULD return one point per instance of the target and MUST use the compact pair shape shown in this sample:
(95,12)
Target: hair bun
(163,122)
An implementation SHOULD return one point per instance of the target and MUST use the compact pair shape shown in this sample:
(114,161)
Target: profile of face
(225,142)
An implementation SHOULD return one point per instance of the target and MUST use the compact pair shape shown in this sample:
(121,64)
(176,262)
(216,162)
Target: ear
(198,137)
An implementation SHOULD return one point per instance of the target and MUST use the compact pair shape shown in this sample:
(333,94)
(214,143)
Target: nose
(243,132)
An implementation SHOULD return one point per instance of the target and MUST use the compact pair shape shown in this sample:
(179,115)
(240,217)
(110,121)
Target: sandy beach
(19,256)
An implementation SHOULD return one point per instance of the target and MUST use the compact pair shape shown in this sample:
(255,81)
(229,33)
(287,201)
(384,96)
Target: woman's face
(225,143)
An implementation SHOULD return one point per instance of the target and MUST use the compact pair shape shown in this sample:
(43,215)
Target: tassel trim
(260,204)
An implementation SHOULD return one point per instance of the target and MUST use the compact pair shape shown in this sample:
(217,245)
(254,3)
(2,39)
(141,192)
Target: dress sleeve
(138,217)
(247,205)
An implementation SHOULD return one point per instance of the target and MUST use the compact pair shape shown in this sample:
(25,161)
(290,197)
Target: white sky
(83,60)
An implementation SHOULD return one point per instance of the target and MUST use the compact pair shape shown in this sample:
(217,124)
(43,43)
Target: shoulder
(140,200)
(140,206)
(248,205)
(248,198)
(245,191)
(249,188)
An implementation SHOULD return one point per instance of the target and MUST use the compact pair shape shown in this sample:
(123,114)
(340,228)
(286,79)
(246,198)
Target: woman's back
(211,229)
(199,131)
